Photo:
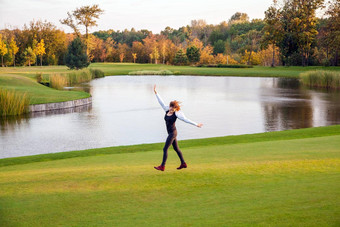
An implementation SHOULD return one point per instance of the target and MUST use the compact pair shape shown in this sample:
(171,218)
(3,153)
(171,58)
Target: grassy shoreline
(23,78)
(226,140)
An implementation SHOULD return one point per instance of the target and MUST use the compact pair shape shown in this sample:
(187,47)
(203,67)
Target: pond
(125,111)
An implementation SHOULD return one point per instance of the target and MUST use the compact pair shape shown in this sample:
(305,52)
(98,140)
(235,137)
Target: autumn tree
(86,16)
(40,50)
(122,51)
(134,55)
(3,50)
(206,55)
(110,50)
(150,43)
(14,49)
(155,54)
(139,50)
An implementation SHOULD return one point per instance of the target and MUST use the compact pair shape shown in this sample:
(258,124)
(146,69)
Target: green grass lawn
(16,77)
(289,178)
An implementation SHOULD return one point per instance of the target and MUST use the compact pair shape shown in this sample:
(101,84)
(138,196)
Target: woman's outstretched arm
(160,100)
(180,115)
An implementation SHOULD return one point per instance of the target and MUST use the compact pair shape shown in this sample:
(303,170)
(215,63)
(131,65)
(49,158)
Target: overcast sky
(153,15)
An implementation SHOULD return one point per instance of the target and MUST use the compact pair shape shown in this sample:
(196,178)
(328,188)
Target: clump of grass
(225,66)
(58,81)
(39,77)
(79,76)
(13,103)
(97,73)
(149,72)
(321,79)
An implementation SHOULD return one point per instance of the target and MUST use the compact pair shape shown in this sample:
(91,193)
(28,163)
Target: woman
(172,113)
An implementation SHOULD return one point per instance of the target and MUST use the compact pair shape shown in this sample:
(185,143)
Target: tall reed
(59,81)
(79,76)
(13,102)
(321,79)
(97,73)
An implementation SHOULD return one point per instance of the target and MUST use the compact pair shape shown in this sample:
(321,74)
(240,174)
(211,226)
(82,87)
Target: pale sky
(153,15)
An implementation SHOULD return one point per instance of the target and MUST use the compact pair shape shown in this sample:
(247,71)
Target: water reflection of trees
(11,123)
(286,106)
(333,108)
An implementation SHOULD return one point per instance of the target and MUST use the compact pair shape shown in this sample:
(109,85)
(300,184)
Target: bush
(13,103)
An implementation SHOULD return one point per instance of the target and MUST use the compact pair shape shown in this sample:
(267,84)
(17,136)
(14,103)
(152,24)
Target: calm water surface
(125,111)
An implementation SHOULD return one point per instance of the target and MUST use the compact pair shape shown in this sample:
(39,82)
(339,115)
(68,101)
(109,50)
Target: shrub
(13,103)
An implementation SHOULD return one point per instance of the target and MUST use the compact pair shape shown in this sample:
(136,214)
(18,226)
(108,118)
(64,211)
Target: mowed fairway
(294,182)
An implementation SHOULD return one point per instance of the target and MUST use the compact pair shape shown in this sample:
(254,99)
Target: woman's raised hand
(199,125)
(154,89)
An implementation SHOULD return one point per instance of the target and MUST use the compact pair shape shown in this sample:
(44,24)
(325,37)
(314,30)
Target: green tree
(253,37)
(34,48)
(239,18)
(333,28)
(272,30)
(298,22)
(193,54)
(30,56)
(219,47)
(180,58)
(76,57)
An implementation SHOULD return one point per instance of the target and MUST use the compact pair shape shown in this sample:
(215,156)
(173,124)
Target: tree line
(290,34)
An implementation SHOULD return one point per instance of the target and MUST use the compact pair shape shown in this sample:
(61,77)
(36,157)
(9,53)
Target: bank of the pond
(286,178)
(23,79)
(226,140)
(37,93)
(60,105)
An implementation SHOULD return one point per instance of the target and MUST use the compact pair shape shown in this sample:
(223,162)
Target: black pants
(171,140)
